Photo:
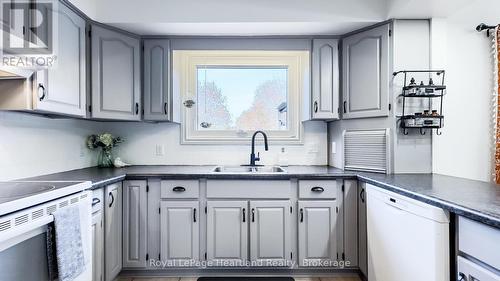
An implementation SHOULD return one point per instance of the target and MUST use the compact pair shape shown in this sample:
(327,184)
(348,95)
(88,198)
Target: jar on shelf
(434,112)
(409,121)
(419,119)
(421,88)
(413,87)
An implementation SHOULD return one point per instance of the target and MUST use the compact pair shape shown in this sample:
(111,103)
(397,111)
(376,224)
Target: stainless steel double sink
(248,170)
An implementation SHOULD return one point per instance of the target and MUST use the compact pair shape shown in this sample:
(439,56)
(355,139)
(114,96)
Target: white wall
(32,145)
(465,147)
(141,140)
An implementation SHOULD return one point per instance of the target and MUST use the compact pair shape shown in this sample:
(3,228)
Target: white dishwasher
(407,239)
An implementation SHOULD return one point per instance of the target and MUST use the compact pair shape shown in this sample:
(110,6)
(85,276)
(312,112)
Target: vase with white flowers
(106,142)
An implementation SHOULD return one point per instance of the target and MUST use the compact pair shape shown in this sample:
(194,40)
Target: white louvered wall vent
(366,150)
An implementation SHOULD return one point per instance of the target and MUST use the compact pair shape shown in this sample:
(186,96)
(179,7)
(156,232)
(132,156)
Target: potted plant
(106,142)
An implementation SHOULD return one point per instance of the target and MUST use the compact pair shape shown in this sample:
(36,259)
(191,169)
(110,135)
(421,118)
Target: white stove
(18,195)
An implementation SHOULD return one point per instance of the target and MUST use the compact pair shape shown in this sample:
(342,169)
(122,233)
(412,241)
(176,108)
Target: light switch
(160,150)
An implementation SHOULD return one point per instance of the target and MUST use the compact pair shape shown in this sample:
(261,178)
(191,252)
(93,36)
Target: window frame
(186,64)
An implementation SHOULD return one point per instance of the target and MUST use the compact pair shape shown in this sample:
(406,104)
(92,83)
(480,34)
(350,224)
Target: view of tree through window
(242,98)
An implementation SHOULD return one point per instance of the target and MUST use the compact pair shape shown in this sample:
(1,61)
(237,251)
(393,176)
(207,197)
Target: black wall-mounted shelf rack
(430,92)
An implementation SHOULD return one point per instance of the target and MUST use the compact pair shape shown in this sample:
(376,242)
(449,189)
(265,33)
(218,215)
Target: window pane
(242,98)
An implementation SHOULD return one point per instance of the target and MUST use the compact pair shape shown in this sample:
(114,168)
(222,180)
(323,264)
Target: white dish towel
(69,248)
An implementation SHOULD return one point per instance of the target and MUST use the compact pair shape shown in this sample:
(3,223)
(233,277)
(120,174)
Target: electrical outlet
(160,150)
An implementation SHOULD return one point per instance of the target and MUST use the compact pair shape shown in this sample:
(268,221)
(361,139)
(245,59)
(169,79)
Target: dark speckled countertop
(473,199)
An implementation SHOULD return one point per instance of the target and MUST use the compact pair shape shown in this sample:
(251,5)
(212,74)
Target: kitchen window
(227,95)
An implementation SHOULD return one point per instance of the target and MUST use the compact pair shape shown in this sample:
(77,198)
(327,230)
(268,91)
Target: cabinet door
(227,233)
(97,247)
(362,231)
(134,223)
(325,82)
(366,73)
(62,88)
(317,232)
(180,232)
(350,212)
(470,271)
(156,80)
(270,243)
(113,231)
(116,92)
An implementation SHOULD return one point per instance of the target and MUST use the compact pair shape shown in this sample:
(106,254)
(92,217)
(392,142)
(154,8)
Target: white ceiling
(259,17)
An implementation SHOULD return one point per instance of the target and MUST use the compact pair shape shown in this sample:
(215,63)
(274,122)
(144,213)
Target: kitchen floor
(195,278)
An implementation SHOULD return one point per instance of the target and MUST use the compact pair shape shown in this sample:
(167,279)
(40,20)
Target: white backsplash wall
(465,147)
(33,145)
(141,140)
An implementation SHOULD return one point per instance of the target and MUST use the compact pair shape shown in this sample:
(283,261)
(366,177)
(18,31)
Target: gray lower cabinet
(134,223)
(350,229)
(156,80)
(112,231)
(180,232)
(365,72)
(97,246)
(325,79)
(479,251)
(227,233)
(54,91)
(116,75)
(317,232)
(362,230)
(270,238)
(97,235)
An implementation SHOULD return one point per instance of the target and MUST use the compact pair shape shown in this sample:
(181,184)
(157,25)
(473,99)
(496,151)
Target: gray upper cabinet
(54,91)
(227,232)
(270,241)
(318,229)
(325,79)
(116,83)
(156,80)
(134,223)
(180,232)
(113,231)
(365,68)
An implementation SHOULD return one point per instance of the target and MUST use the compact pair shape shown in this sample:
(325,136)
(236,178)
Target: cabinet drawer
(265,189)
(480,241)
(472,271)
(310,189)
(97,200)
(180,189)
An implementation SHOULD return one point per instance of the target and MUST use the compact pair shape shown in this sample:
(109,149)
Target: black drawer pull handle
(244,215)
(362,195)
(253,215)
(315,107)
(345,106)
(194,215)
(95,201)
(317,189)
(179,189)
(462,277)
(301,215)
(165,109)
(112,199)
(393,200)
(136,108)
